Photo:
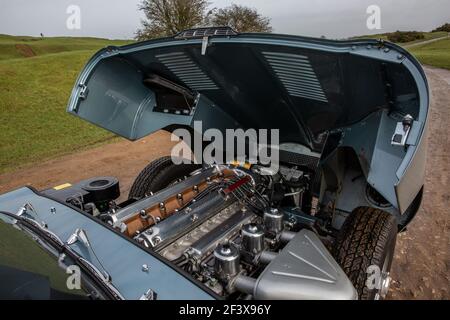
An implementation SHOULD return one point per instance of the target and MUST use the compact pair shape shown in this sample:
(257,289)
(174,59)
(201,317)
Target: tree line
(165,18)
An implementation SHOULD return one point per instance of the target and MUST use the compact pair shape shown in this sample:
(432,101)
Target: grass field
(24,46)
(435,54)
(427,35)
(34,88)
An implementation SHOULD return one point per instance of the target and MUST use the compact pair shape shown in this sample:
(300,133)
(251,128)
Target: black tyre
(157,175)
(365,249)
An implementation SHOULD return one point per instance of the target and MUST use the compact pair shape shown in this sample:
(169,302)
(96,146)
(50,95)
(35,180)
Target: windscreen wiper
(61,247)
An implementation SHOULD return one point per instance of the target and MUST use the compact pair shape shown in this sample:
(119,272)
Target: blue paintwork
(122,258)
(352,83)
(397,173)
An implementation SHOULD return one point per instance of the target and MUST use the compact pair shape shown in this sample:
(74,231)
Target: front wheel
(365,249)
(158,175)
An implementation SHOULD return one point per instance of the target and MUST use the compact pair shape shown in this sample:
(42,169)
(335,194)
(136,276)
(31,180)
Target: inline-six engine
(239,232)
(230,229)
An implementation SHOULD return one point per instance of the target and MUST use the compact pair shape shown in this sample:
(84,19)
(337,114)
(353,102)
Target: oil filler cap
(102,188)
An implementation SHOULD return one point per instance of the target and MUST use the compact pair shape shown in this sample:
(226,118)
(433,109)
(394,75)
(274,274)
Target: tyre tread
(157,175)
(362,242)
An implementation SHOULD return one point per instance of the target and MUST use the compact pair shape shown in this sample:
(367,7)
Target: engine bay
(231,228)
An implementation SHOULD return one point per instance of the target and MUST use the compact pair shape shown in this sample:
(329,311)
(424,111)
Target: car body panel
(246,76)
(302,86)
(307,88)
(121,257)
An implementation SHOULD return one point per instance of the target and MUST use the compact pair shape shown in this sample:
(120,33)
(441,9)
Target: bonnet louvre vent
(206,32)
(187,71)
(296,74)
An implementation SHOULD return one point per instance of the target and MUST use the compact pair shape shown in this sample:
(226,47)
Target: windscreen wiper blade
(63,248)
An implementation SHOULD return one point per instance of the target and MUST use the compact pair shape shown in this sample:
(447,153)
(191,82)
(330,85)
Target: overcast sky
(119,19)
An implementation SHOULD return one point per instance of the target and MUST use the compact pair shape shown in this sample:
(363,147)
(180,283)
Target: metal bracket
(83,91)
(205,43)
(81,236)
(149,295)
(402,130)
(28,209)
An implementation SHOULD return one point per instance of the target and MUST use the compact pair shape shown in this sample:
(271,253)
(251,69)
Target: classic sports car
(352,120)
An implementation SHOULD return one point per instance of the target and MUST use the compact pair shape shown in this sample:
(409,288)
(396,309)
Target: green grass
(383,36)
(34,92)
(428,36)
(41,46)
(435,54)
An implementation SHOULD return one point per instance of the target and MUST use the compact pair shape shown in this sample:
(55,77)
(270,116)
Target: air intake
(187,71)
(206,32)
(296,74)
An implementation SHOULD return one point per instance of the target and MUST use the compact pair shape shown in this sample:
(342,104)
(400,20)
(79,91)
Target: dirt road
(421,43)
(422,258)
(123,160)
(421,265)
